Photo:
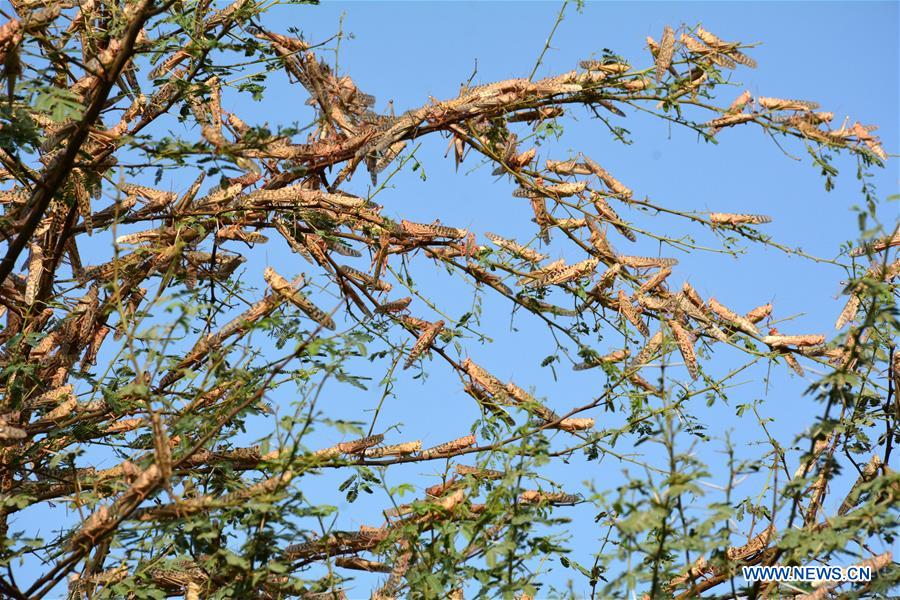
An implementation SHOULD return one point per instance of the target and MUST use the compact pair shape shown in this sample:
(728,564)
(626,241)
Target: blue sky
(841,54)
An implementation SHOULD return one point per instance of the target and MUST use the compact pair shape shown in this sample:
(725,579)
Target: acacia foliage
(158,351)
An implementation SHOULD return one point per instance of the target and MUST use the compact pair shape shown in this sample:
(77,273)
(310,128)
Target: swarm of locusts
(128,67)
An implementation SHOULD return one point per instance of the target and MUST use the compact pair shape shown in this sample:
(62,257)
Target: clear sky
(841,54)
